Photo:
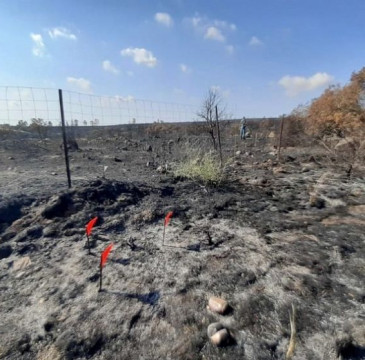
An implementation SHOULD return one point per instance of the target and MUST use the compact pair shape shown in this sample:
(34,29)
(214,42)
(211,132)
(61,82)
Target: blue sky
(264,56)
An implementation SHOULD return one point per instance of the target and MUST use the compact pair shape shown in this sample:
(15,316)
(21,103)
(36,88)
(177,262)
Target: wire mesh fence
(22,104)
(110,131)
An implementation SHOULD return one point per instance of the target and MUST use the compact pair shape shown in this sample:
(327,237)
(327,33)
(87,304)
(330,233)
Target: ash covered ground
(271,235)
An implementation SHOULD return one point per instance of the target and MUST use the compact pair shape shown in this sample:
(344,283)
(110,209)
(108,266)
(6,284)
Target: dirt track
(270,236)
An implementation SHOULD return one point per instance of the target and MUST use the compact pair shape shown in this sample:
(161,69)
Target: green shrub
(203,168)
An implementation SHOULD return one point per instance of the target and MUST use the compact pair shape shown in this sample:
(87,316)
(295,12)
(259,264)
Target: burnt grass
(271,235)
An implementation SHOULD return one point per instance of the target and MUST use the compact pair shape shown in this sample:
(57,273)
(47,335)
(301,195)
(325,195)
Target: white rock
(217,305)
(220,337)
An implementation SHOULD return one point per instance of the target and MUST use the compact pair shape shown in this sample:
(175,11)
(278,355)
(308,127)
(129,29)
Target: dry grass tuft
(203,168)
(293,335)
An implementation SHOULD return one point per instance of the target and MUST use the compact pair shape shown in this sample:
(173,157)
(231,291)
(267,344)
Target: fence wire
(22,104)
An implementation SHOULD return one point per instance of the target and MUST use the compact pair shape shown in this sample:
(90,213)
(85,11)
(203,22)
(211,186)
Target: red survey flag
(168,217)
(90,225)
(104,255)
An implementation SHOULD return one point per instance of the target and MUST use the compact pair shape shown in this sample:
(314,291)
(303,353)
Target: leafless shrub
(39,126)
(348,154)
(207,112)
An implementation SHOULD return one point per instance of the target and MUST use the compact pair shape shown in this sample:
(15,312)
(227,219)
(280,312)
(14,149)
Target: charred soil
(270,235)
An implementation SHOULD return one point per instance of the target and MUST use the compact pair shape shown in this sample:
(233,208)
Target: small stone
(10,158)
(161,169)
(238,153)
(290,158)
(116,159)
(54,173)
(149,148)
(278,170)
(316,201)
(220,338)
(21,263)
(217,305)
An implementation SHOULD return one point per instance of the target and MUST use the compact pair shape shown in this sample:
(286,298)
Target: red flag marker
(103,258)
(90,225)
(89,228)
(168,217)
(166,222)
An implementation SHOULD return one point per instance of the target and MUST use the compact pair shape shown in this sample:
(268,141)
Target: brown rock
(220,338)
(217,305)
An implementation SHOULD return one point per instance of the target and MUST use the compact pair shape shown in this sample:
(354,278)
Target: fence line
(26,103)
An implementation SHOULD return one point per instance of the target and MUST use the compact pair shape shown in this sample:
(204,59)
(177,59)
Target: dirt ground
(272,235)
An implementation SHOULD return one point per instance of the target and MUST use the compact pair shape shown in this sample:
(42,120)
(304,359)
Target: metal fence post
(64,138)
(219,136)
(281,136)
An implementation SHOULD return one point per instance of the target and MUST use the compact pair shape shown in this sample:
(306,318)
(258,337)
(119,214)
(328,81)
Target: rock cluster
(216,332)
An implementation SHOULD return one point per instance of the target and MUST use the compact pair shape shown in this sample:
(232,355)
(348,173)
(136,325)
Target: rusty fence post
(64,138)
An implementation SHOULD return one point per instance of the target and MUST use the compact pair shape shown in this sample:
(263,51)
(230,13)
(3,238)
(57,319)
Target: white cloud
(164,19)
(224,25)
(255,41)
(294,85)
(230,49)
(140,56)
(39,48)
(81,83)
(215,88)
(128,98)
(213,33)
(185,69)
(217,30)
(62,33)
(107,66)
(195,21)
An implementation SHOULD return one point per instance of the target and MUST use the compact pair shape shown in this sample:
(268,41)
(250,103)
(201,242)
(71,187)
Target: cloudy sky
(264,56)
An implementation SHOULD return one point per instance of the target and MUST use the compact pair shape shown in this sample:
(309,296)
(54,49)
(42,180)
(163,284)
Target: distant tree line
(35,123)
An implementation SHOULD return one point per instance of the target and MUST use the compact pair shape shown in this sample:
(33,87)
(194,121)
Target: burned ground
(270,236)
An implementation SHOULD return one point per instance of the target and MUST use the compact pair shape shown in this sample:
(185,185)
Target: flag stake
(101,277)
(166,222)
(103,258)
(88,244)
